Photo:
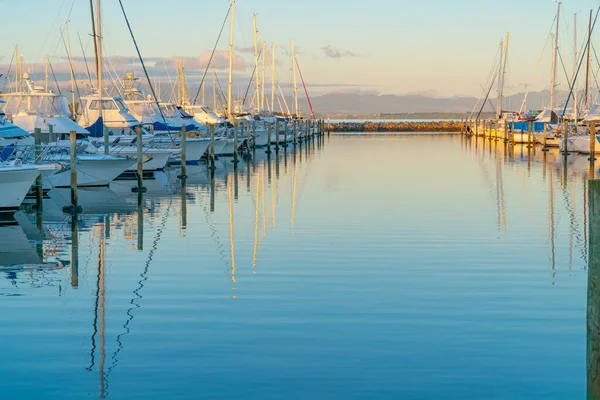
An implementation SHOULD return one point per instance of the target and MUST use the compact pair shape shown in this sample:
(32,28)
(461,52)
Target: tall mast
(575,111)
(256,61)
(294,80)
(21,76)
(73,114)
(503,76)
(100,73)
(214,88)
(178,80)
(230,81)
(183,83)
(273,78)
(588,92)
(203,94)
(17,68)
(500,83)
(94,35)
(262,96)
(46,71)
(554,59)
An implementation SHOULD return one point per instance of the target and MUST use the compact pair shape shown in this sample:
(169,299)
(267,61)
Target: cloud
(336,53)
(220,61)
(249,49)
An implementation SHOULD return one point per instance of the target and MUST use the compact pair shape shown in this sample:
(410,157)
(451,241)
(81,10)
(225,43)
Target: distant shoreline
(401,116)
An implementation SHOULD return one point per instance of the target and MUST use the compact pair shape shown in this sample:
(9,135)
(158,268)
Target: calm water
(389,266)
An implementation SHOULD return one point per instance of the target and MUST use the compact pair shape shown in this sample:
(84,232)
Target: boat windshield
(169,110)
(120,104)
(143,109)
(46,105)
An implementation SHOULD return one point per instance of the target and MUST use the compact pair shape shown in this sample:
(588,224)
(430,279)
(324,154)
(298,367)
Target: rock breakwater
(405,126)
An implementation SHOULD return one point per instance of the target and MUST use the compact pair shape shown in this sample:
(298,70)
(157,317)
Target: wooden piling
(268,150)
(566,139)
(254,135)
(593,293)
(235,143)
(545,142)
(51,137)
(296,136)
(592,157)
(39,189)
(74,208)
(505,131)
(183,174)
(211,130)
(276,135)
(140,162)
(106,138)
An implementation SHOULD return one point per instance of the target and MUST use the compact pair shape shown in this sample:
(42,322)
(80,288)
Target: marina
(260,205)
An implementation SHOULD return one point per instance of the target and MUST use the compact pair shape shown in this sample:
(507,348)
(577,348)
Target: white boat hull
(91,171)
(154,159)
(15,182)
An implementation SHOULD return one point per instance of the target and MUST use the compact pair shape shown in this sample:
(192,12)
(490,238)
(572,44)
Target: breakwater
(404,126)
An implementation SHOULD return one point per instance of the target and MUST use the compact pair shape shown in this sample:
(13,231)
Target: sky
(441,48)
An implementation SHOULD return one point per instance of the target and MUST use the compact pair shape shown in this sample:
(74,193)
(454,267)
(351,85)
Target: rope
(580,63)
(212,54)
(143,65)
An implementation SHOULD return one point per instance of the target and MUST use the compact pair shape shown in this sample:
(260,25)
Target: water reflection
(333,245)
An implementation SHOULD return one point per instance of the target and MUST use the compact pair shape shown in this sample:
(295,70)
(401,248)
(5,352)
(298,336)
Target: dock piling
(39,189)
(566,139)
(235,143)
(211,161)
(74,207)
(140,162)
(183,174)
(592,142)
(268,150)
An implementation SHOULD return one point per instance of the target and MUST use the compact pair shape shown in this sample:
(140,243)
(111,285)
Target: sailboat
(548,115)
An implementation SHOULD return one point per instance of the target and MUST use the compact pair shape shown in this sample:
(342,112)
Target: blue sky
(440,47)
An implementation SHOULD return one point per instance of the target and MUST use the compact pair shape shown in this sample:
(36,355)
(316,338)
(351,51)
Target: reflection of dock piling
(74,252)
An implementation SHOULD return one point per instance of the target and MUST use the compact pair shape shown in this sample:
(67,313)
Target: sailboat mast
(73,115)
(588,92)
(503,77)
(256,60)
(230,81)
(100,72)
(178,80)
(575,111)
(46,71)
(262,95)
(273,78)
(214,88)
(203,94)
(294,79)
(554,61)
(500,83)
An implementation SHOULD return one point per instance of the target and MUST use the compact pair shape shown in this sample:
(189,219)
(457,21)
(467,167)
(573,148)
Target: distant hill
(372,105)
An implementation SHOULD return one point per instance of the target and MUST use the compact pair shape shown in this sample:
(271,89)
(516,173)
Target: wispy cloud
(248,50)
(332,52)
